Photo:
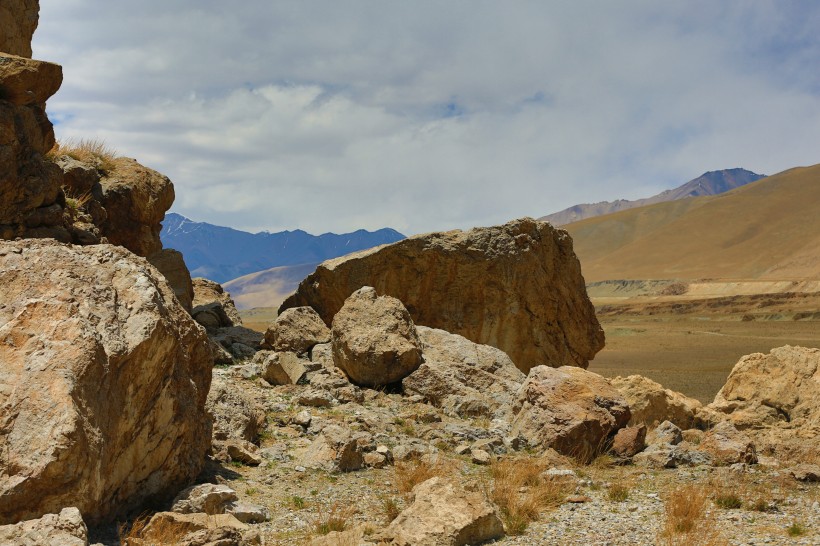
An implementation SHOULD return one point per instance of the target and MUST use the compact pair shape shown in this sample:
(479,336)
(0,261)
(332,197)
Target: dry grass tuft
(333,519)
(522,491)
(162,531)
(687,522)
(618,492)
(91,151)
(410,474)
(391,509)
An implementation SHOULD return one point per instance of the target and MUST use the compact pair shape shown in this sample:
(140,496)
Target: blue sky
(431,115)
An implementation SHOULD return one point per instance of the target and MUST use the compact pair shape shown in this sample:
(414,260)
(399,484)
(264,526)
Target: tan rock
(235,414)
(456,371)
(297,330)
(780,389)
(727,445)
(805,472)
(105,378)
(336,449)
(629,441)
(207,497)
(443,513)
(135,199)
(209,295)
(18,21)
(651,404)
(517,287)
(170,263)
(281,368)
(26,81)
(568,409)
(243,451)
(374,339)
(198,529)
(66,529)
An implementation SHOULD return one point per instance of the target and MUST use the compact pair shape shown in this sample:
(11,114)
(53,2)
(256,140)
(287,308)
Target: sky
(433,114)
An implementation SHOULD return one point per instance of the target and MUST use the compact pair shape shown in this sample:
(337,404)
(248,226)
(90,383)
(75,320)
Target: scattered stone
(805,472)
(336,449)
(207,497)
(479,456)
(66,529)
(629,441)
(374,339)
(315,398)
(727,445)
(244,452)
(297,330)
(517,287)
(568,409)
(248,513)
(281,368)
(667,433)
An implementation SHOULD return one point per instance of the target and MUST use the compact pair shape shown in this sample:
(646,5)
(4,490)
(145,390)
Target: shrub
(796,529)
(333,519)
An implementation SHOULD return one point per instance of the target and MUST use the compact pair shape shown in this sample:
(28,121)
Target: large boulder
(235,414)
(517,287)
(462,377)
(170,263)
(780,389)
(374,339)
(570,410)
(104,382)
(215,305)
(651,404)
(26,81)
(66,529)
(443,513)
(297,330)
(18,21)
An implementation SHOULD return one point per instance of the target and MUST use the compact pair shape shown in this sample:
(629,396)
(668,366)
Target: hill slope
(221,253)
(710,183)
(267,288)
(769,229)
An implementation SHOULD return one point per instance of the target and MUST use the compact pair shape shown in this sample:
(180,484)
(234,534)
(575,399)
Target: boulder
(336,449)
(651,404)
(571,410)
(66,529)
(666,433)
(780,389)
(374,339)
(281,368)
(517,287)
(207,497)
(727,445)
(234,413)
(297,330)
(464,378)
(443,513)
(104,382)
(135,199)
(170,263)
(18,20)
(210,297)
(629,441)
(26,81)
(198,529)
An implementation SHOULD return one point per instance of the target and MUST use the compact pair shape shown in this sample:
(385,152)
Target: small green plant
(236,464)
(296,502)
(391,509)
(727,500)
(251,491)
(796,529)
(760,505)
(618,492)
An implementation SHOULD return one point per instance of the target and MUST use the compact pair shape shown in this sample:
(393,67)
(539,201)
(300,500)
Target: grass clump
(686,518)
(618,492)
(521,491)
(796,529)
(160,531)
(296,502)
(727,500)
(333,519)
(391,509)
(92,151)
(410,474)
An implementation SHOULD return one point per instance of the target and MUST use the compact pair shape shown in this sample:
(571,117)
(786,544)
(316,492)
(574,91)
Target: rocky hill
(709,183)
(769,229)
(222,253)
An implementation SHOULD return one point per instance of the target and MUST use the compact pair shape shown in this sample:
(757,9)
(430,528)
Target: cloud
(330,116)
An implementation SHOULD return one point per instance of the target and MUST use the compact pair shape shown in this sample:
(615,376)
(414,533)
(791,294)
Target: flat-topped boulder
(517,287)
(28,81)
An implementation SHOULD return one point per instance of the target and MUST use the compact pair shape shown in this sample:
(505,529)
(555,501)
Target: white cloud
(331,116)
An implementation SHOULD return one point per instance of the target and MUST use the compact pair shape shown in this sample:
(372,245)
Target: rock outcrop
(235,414)
(105,378)
(66,529)
(650,403)
(462,377)
(170,263)
(517,287)
(568,409)
(374,339)
(18,21)
(213,307)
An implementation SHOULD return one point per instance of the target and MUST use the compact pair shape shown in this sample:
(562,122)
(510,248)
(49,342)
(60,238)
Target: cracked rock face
(18,21)
(104,382)
(517,287)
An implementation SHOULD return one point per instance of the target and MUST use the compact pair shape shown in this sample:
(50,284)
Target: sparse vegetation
(91,151)
(296,502)
(796,529)
(162,531)
(333,519)
(727,500)
(410,474)
(685,509)
(618,492)
(391,509)
(74,204)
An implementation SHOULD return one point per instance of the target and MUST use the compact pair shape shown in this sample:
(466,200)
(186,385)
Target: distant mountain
(221,253)
(267,288)
(767,230)
(710,183)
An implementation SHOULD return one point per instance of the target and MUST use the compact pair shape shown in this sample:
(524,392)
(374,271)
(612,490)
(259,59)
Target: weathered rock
(135,198)
(66,529)
(169,262)
(211,297)
(629,441)
(517,287)
(728,445)
(374,339)
(281,368)
(198,529)
(666,433)
(243,451)
(463,377)
(336,449)
(672,456)
(18,21)
(571,410)
(297,330)
(322,354)
(780,389)
(443,513)
(315,398)
(805,472)
(26,81)
(651,404)
(235,414)
(105,379)
(207,497)
(248,513)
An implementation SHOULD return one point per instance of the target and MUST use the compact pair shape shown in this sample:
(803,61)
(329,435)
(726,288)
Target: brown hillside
(769,229)
(267,288)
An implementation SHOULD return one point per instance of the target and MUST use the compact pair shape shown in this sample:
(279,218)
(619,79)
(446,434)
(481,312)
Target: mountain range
(768,229)
(221,253)
(709,183)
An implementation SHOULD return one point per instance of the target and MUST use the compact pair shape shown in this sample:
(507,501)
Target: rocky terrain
(431,391)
